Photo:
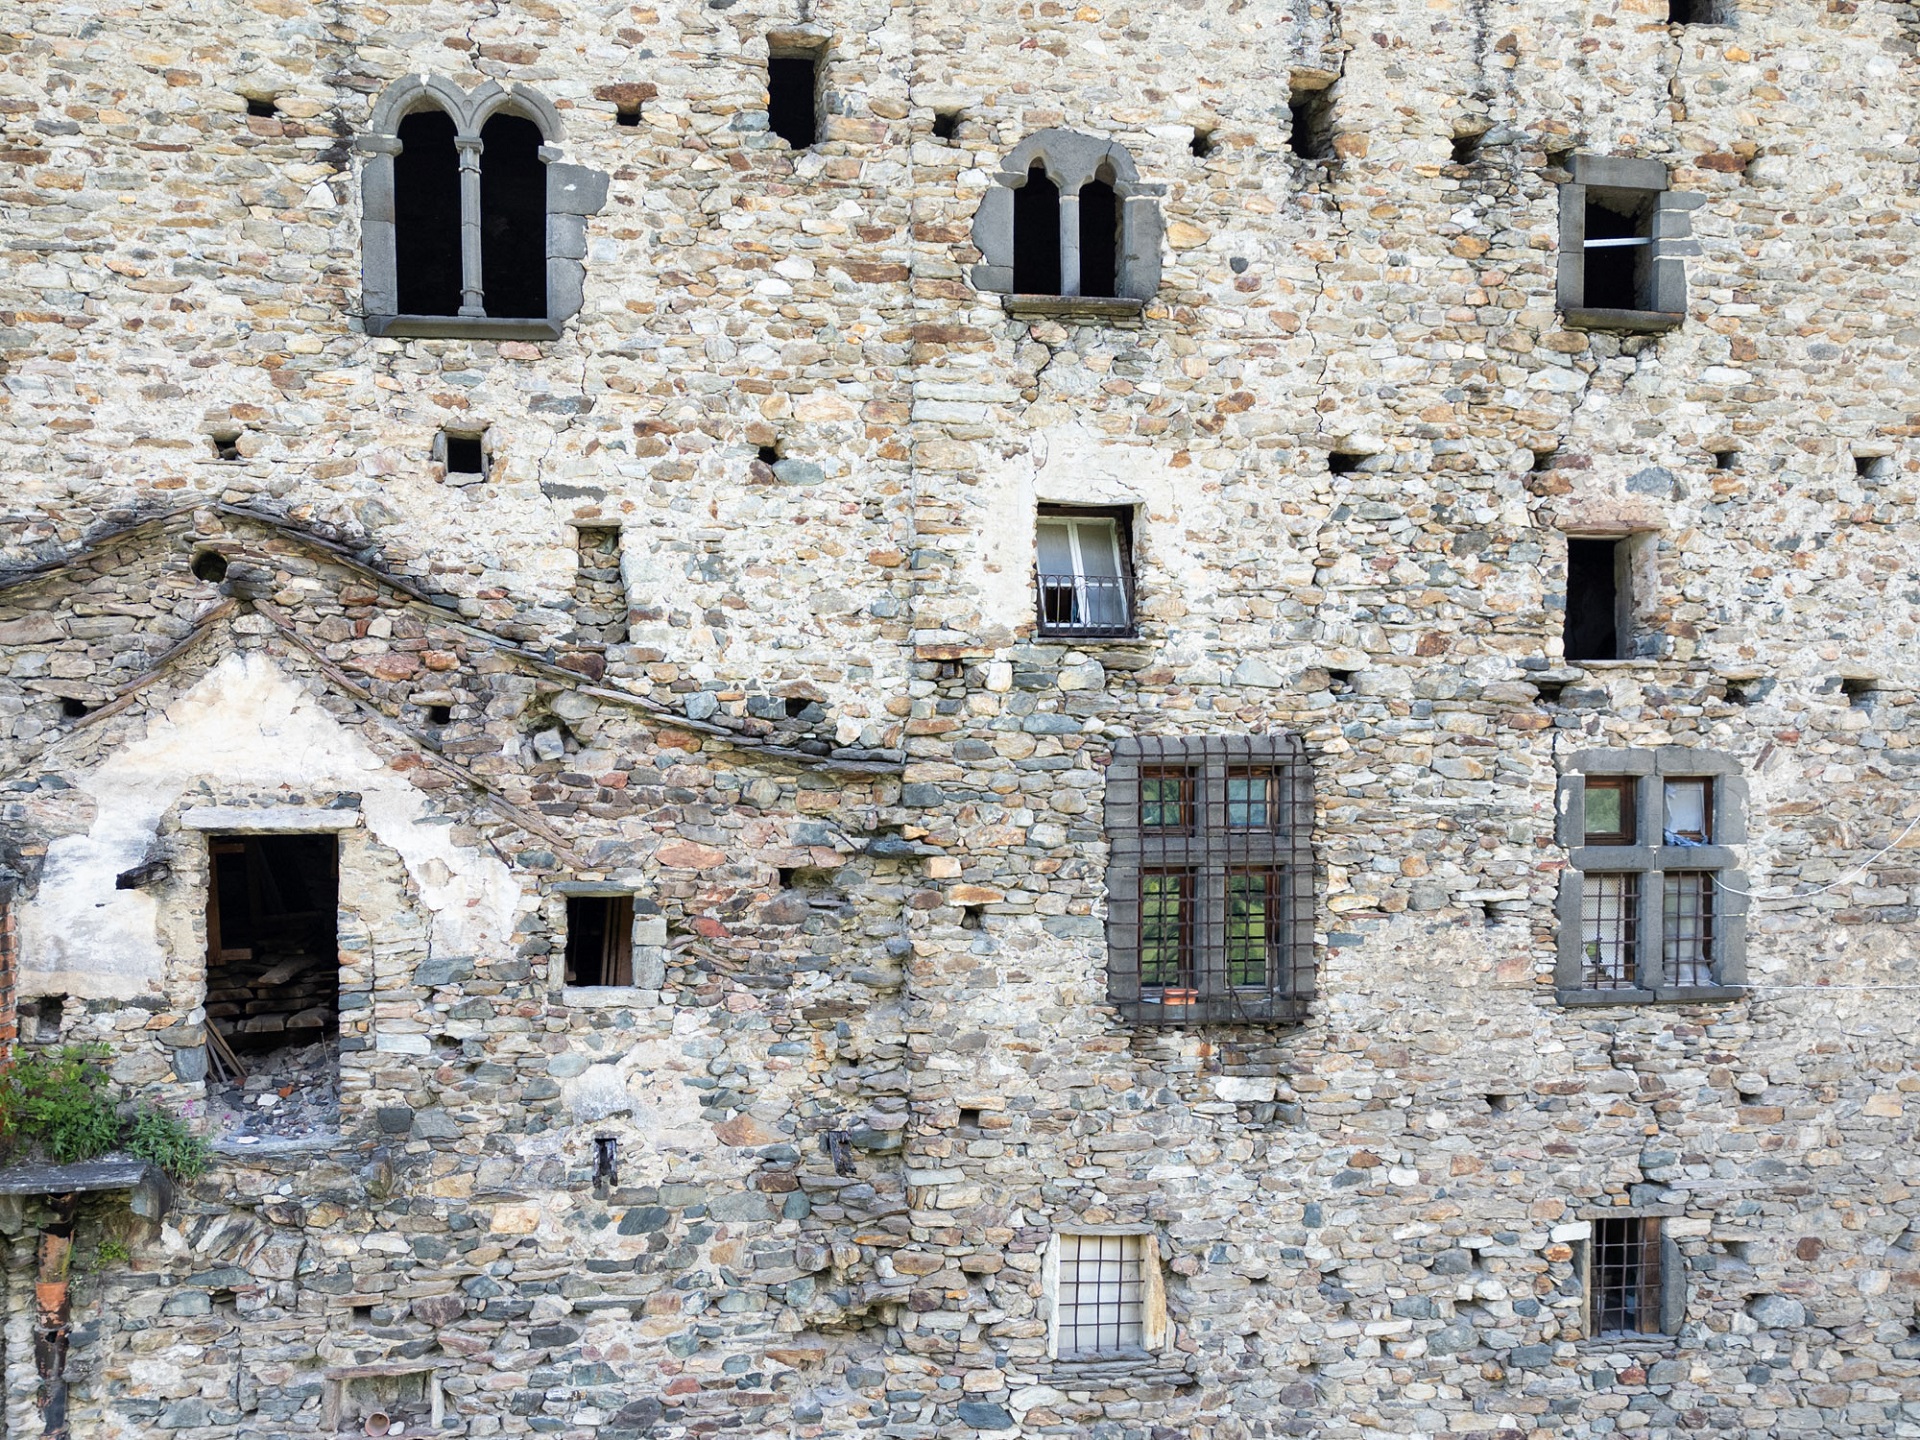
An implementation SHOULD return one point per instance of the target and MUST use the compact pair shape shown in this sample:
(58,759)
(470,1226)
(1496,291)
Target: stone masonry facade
(277,562)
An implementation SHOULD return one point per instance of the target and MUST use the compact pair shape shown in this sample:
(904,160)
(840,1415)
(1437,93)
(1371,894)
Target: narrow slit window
(1101,1302)
(1625,1279)
(793,98)
(1609,810)
(1686,927)
(1036,235)
(426,215)
(599,940)
(1099,239)
(1609,917)
(1596,599)
(513,218)
(1310,133)
(1082,576)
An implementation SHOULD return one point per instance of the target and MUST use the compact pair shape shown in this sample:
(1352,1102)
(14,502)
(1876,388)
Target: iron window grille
(1210,881)
(1101,1299)
(1084,573)
(1635,1278)
(1652,906)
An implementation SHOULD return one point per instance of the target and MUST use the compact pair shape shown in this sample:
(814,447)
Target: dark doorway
(273,961)
(599,940)
(513,218)
(426,216)
(1595,578)
(1616,274)
(1036,235)
(793,99)
(1099,239)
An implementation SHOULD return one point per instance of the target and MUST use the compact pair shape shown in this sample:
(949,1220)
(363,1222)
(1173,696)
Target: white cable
(1847,878)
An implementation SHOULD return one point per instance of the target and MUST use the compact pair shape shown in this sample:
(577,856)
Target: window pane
(1253,800)
(1625,1277)
(1686,927)
(1102,1294)
(1609,913)
(1609,810)
(1253,924)
(1166,926)
(1689,811)
(1099,555)
(1056,551)
(1166,800)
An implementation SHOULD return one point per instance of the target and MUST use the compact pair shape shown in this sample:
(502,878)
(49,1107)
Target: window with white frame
(1652,906)
(1105,1298)
(1084,575)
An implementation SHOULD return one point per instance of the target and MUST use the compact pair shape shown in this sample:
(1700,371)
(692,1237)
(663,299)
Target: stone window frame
(1674,1288)
(647,949)
(1155,1329)
(1071,160)
(573,193)
(1650,862)
(1670,241)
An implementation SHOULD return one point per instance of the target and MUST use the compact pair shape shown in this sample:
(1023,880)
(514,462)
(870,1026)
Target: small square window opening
(946,124)
(1101,1300)
(1624,1278)
(262,107)
(1859,691)
(1343,462)
(793,98)
(1699,12)
(1083,575)
(1466,146)
(599,940)
(1543,461)
(465,454)
(226,445)
(1726,459)
(1202,144)
(1873,467)
(1609,810)
(627,115)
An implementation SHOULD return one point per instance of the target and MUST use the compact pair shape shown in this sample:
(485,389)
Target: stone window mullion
(472,290)
(1069,240)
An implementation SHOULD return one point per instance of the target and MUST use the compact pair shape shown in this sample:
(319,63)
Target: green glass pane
(1603,812)
(1160,802)
(1162,926)
(1249,921)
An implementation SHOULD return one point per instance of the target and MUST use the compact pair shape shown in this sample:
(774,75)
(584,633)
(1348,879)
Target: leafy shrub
(165,1140)
(58,1103)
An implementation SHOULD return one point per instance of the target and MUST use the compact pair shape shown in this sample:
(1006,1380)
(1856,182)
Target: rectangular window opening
(1084,572)
(1686,927)
(1599,609)
(1688,811)
(273,983)
(1166,935)
(1699,12)
(465,454)
(1609,916)
(1619,250)
(1609,810)
(793,97)
(1311,134)
(599,940)
(599,592)
(1101,1299)
(1624,1277)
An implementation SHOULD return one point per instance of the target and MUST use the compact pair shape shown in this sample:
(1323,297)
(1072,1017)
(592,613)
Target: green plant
(164,1139)
(58,1102)
(113,1252)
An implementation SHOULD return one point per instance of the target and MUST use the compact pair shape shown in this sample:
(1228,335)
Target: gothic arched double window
(471,224)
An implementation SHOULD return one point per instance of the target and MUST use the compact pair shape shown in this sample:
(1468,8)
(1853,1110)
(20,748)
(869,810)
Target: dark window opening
(73,707)
(1625,1282)
(1341,462)
(438,715)
(793,98)
(513,218)
(226,446)
(797,705)
(262,107)
(946,124)
(1726,459)
(466,454)
(273,956)
(1501,1104)
(1084,571)
(44,1017)
(1311,135)
(599,940)
(1036,235)
(1610,811)
(628,115)
(969,1118)
(1340,682)
(1873,467)
(426,216)
(1859,691)
(1619,251)
(361,1314)
(973,917)
(606,1160)
(1543,461)
(1748,691)
(1596,584)
(211,566)
(1099,239)
(769,454)
(1202,144)
(1548,692)
(1466,147)
(599,592)
(1699,12)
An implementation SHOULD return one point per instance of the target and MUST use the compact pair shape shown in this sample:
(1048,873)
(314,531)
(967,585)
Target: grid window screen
(1102,1294)
(1210,888)
(1624,1277)
(1686,927)
(1609,918)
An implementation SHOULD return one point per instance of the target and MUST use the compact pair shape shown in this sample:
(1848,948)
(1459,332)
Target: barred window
(1651,907)
(1100,1302)
(1210,885)
(1636,1281)
(1084,572)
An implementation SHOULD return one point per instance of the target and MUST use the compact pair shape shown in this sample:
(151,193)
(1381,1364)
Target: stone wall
(868,1070)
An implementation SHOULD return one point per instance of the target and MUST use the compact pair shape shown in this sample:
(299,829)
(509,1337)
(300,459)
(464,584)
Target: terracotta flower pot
(378,1423)
(1179,996)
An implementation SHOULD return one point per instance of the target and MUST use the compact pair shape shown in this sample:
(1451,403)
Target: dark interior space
(793,99)
(1036,235)
(1592,631)
(1099,239)
(426,216)
(273,963)
(1312,132)
(513,218)
(466,454)
(946,124)
(599,940)
(1614,272)
(1699,12)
